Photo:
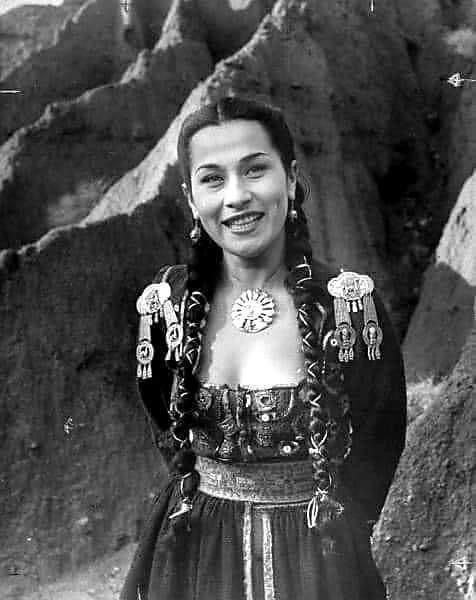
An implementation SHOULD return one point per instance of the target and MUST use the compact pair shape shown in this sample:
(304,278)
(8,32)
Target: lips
(242,221)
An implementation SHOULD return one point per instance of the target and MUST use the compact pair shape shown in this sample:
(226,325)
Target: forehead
(228,142)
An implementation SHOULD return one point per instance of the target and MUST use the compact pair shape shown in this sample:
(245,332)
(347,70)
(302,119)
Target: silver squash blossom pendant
(253,311)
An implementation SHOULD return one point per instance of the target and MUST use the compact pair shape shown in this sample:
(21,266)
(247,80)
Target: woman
(282,387)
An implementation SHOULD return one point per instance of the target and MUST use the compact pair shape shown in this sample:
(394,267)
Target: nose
(237,193)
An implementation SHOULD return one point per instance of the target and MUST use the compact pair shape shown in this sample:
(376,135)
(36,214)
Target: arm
(155,392)
(378,406)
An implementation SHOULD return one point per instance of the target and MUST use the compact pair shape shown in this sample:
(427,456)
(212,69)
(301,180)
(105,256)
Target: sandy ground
(102,580)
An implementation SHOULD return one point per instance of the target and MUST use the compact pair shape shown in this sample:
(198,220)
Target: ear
(188,196)
(292,179)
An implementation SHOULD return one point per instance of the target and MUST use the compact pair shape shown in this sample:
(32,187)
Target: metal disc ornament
(144,352)
(150,301)
(253,311)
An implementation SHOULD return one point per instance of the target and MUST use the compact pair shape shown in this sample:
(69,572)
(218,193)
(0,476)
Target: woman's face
(239,188)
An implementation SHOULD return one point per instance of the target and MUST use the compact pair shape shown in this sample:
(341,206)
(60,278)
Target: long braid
(204,260)
(324,382)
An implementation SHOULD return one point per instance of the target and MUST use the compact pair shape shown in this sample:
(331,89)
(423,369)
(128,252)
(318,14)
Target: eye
(256,170)
(211,179)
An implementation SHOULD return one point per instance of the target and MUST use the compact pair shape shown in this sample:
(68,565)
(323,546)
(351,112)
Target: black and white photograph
(237,299)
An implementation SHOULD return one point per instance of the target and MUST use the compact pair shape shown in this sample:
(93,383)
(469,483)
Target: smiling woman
(281,385)
(239,190)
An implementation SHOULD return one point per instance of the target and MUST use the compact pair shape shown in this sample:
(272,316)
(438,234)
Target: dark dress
(248,550)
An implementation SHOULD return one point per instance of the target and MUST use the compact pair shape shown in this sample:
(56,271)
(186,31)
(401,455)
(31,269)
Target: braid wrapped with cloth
(352,367)
(324,385)
(182,411)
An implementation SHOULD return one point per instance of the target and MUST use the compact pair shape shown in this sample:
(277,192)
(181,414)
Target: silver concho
(351,287)
(174,335)
(153,297)
(353,293)
(144,352)
(253,311)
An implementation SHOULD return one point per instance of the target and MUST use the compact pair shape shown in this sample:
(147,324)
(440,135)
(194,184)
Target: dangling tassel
(184,462)
(372,332)
(144,349)
(344,334)
(149,305)
(186,503)
(321,509)
(180,520)
(313,511)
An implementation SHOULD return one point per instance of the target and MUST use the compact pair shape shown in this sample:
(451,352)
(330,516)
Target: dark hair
(205,258)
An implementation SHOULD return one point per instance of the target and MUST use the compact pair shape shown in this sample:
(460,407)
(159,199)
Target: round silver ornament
(253,311)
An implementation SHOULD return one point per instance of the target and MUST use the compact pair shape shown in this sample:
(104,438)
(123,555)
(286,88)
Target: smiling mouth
(243,222)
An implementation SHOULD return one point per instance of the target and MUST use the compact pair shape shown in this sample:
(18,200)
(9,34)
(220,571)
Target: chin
(246,251)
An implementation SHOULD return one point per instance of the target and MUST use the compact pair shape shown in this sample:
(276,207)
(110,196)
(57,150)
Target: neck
(256,272)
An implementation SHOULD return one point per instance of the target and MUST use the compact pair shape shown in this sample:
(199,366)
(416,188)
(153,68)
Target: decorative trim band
(247,553)
(268,566)
(280,482)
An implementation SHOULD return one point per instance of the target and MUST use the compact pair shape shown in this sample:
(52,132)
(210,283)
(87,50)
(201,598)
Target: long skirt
(239,550)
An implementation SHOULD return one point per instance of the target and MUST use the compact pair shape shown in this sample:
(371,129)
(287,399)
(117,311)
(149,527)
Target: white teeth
(242,222)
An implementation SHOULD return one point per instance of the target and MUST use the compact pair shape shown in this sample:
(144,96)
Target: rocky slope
(85,52)
(77,461)
(27,29)
(54,171)
(441,39)
(444,315)
(425,538)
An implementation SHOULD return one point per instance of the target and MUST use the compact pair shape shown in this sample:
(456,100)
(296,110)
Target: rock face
(142,21)
(441,38)
(228,24)
(27,29)
(85,52)
(77,459)
(53,172)
(425,538)
(444,316)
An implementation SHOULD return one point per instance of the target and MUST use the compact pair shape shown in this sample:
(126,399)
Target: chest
(269,357)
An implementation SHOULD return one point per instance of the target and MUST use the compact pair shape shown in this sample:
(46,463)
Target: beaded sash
(280,482)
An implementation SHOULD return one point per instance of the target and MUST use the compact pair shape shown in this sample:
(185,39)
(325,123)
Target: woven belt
(271,482)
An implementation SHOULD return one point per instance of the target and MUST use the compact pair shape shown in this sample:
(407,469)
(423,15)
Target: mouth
(243,222)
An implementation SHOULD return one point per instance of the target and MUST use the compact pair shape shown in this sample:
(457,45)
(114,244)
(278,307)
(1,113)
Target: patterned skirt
(243,548)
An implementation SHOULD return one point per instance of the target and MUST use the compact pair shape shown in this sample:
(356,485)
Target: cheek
(210,216)
(207,206)
(279,199)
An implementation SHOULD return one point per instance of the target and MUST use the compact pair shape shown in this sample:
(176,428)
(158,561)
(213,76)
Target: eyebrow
(246,158)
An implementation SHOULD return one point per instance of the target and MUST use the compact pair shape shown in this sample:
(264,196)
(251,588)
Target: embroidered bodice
(250,424)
